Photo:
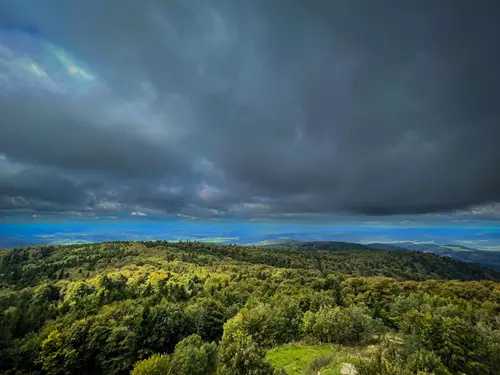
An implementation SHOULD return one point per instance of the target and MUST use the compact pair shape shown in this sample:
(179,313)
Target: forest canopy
(192,308)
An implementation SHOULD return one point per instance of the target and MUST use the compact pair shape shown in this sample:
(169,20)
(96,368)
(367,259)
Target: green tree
(157,364)
(285,320)
(363,325)
(207,316)
(425,361)
(56,357)
(193,356)
(332,325)
(162,327)
(120,350)
(239,354)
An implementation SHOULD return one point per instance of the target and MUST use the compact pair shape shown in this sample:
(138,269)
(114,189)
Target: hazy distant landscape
(464,237)
(474,244)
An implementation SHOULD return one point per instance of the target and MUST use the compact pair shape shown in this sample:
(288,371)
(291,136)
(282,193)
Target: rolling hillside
(489,259)
(193,309)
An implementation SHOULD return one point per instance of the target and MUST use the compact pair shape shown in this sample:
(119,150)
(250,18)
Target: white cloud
(193,210)
(250,208)
(138,213)
(183,216)
(108,206)
(209,193)
(491,210)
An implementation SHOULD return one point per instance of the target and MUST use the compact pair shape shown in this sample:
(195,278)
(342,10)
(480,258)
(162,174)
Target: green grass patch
(299,359)
(295,358)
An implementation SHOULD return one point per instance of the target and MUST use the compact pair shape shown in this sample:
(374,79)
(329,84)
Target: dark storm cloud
(264,107)
(78,137)
(39,189)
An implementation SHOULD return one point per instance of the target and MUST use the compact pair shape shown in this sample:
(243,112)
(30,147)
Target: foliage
(396,358)
(340,325)
(157,364)
(192,356)
(192,308)
(240,355)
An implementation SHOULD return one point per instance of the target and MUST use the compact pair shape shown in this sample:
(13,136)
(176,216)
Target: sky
(255,110)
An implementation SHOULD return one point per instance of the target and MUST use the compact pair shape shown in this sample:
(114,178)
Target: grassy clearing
(295,358)
(300,359)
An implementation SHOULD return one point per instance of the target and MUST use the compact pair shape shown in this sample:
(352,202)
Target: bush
(401,359)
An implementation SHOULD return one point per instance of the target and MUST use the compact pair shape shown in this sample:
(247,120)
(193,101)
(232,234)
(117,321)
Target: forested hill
(31,265)
(485,259)
(189,308)
(323,245)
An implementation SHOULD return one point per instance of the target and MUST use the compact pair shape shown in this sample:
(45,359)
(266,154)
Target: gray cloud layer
(258,108)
